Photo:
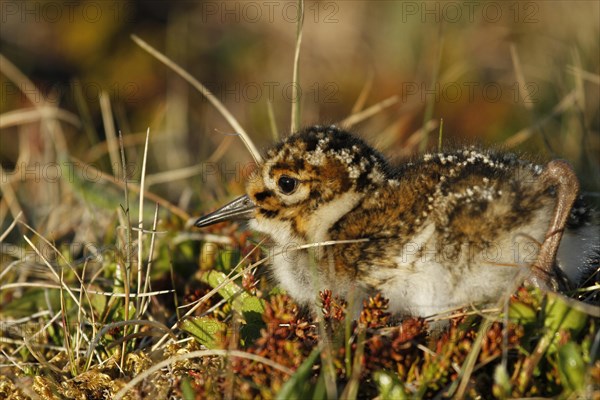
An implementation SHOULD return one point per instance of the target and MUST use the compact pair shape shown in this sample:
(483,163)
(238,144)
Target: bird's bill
(238,209)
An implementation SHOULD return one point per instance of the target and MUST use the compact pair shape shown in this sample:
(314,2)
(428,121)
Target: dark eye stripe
(268,213)
(261,196)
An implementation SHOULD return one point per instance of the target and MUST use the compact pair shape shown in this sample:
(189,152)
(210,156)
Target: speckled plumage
(434,234)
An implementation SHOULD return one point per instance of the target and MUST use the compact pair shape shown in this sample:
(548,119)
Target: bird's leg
(560,174)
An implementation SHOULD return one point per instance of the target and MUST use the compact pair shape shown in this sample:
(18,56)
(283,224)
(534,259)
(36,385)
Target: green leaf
(559,315)
(252,310)
(299,386)
(216,278)
(252,304)
(187,390)
(522,313)
(502,386)
(390,388)
(208,331)
(241,300)
(571,366)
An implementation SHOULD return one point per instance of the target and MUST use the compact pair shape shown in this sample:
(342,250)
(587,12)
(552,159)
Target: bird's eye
(286,184)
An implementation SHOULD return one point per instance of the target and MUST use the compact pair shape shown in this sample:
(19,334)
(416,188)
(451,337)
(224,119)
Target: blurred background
(521,75)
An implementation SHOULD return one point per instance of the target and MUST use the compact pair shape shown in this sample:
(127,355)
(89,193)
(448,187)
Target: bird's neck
(319,223)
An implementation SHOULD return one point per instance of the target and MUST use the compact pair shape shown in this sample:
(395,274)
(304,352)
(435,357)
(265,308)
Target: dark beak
(240,208)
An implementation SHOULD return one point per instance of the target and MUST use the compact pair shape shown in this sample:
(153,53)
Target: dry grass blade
(416,137)
(453,314)
(10,197)
(441,135)
(272,122)
(133,139)
(15,75)
(354,119)
(220,150)
(5,271)
(144,304)
(44,285)
(174,175)
(578,82)
(10,227)
(588,76)
(111,134)
(326,243)
(12,361)
(197,354)
(361,100)
(127,275)
(66,331)
(296,101)
(206,93)
(141,223)
(524,92)
(430,104)
(29,115)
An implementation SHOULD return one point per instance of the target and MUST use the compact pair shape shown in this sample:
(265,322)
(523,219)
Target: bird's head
(306,183)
